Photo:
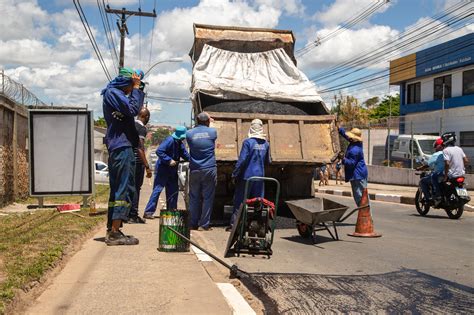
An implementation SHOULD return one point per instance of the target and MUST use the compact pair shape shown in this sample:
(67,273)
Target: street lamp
(163,61)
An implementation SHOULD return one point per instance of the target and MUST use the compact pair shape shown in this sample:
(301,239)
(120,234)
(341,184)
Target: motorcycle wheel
(421,207)
(455,213)
(304,230)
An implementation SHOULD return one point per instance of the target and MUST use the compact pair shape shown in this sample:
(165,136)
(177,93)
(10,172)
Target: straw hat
(355,134)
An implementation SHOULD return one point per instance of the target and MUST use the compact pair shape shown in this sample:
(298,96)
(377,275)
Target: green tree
(371,102)
(100,122)
(348,111)
(159,135)
(389,103)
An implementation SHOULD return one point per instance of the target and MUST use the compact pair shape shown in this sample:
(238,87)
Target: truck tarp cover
(269,75)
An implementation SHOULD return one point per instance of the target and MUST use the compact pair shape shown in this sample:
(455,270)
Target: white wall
(427,84)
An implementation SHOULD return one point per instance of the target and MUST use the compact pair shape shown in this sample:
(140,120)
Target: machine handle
(265,179)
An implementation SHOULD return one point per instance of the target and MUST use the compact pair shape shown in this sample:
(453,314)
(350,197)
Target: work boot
(136,220)
(228,228)
(118,238)
(201,228)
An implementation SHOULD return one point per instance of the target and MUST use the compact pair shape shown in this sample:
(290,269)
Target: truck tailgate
(295,139)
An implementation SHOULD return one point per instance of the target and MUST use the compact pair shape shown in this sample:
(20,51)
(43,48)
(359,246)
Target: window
(466,139)
(414,91)
(439,82)
(100,167)
(468,82)
(396,145)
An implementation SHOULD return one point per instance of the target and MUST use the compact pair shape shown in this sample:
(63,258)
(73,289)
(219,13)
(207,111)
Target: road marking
(201,256)
(235,300)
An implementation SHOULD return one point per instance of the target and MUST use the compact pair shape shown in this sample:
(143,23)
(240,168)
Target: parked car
(422,149)
(101,172)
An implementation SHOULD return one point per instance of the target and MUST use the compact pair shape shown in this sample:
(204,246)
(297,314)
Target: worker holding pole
(122,101)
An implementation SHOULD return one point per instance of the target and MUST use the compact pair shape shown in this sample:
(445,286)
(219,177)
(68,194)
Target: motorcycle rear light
(460,180)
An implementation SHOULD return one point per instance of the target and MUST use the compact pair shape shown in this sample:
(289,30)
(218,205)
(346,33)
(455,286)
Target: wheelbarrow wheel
(305,230)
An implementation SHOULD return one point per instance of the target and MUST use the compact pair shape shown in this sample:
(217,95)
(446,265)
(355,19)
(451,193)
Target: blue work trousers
(358,186)
(256,189)
(202,189)
(435,176)
(165,177)
(425,183)
(139,176)
(122,184)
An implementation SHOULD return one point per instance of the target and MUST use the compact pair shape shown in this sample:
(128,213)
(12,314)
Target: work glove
(173,163)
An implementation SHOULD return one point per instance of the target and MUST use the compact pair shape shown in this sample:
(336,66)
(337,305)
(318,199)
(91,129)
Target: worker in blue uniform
(203,171)
(254,155)
(169,153)
(122,100)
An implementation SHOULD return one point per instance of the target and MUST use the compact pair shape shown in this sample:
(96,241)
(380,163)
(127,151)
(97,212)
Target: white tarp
(269,75)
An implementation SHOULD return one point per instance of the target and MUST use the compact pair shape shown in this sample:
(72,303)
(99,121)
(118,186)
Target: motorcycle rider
(454,157)
(436,164)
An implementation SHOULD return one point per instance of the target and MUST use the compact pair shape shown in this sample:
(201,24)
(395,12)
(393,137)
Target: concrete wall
(13,151)
(401,176)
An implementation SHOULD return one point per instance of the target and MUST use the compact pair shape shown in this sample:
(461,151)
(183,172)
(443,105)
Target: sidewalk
(131,279)
(381,192)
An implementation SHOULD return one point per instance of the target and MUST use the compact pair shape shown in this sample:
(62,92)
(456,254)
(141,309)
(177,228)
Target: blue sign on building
(453,54)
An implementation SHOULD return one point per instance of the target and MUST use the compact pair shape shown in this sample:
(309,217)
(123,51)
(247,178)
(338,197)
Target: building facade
(437,90)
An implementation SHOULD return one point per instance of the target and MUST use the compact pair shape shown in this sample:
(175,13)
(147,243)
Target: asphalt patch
(404,291)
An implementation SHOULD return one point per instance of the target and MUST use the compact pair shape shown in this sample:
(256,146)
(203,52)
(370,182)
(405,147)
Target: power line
(107,34)
(389,45)
(358,80)
(85,23)
(362,15)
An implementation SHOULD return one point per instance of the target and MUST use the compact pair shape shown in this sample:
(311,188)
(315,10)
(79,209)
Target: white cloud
(342,10)
(22,19)
(345,46)
(290,7)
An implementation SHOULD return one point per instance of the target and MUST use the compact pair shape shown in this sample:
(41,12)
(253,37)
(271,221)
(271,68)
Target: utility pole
(122,26)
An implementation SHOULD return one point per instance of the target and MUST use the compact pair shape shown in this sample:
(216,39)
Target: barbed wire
(17,92)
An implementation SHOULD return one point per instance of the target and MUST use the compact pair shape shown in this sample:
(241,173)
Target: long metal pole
(412,143)
(122,39)
(441,120)
(368,144)
(389,153)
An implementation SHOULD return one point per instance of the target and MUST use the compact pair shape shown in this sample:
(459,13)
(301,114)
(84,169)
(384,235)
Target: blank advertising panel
(61,151)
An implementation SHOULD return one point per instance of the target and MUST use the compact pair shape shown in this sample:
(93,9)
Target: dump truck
(240,74)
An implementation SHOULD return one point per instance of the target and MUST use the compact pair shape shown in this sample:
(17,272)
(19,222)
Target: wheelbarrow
(316,214)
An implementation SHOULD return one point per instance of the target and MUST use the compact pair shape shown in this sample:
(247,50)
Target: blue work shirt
(201,141)
(354,163)
(436,162)
(171,149)
(121,130)
(253,157)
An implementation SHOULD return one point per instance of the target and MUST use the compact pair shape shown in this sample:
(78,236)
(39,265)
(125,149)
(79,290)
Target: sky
(44,46)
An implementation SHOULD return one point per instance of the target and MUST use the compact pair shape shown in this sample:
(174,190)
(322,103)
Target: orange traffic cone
(365,225)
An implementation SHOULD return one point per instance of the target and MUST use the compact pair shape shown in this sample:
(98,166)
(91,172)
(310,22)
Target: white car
(101,172)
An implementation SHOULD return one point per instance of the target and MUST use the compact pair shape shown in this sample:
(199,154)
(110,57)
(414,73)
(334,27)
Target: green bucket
(170,241)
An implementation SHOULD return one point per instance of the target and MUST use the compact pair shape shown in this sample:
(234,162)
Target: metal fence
(17,92)
(406,141)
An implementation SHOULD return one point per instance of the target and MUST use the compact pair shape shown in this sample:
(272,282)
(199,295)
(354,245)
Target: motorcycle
(453,197)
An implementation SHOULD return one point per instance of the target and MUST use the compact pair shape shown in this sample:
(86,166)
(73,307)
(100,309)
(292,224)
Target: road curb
(379,197)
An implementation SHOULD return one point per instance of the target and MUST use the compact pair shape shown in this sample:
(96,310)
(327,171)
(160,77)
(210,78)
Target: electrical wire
(96,48)
(112,34)
(359,80)
(368,55)
(107,34)
(361,16)
(169,99)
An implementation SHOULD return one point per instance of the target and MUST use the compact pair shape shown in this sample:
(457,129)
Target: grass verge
(101,197)
(31,243)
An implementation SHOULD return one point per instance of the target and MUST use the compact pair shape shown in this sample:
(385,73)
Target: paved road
(420,264)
